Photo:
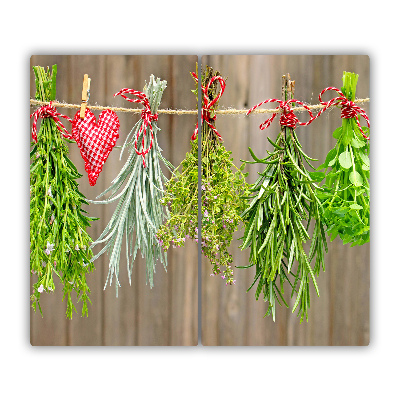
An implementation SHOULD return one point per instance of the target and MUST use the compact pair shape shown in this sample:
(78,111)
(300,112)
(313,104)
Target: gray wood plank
(340,316)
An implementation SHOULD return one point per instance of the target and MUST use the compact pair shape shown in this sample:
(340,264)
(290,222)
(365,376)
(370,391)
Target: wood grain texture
(166,314)
(340,316)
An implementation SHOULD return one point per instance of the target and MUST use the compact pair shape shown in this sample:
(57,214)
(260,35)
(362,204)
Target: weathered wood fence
(340,316)
(168,313)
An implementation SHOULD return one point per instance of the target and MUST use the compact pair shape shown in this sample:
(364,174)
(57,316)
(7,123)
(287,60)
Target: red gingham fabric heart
(95,140)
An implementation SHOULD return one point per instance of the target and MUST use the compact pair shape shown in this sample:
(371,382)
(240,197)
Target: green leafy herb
(59,243)
(277,224)
(345,193)
(224,194)
(139,212)
(223,197)
(181,197)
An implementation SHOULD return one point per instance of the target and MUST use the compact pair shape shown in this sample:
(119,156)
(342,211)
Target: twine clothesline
(229,111)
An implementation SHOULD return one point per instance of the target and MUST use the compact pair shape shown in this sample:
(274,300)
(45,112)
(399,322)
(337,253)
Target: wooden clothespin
(85,95)
(287,87)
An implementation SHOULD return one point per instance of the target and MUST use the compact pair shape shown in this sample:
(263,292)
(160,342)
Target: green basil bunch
(345,195)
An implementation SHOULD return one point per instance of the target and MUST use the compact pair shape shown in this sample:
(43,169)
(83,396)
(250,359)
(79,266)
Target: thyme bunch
(345,195)
(139,212)
(59,243)
(223,197)
(180,196)
(224,194)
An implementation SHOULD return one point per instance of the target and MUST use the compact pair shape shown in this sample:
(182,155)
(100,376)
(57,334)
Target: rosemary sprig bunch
(139,212)
(59,243)
(345,194)
(277,222)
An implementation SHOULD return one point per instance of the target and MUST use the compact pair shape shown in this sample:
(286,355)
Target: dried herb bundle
(223,191)
(139,212)
(181,196)
(345,193)
(59,243)
(277,222)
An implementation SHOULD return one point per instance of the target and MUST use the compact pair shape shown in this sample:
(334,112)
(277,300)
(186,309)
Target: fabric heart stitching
(95,139)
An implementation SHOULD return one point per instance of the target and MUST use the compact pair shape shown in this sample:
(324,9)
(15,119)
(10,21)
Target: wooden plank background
(340,316)
(168,313)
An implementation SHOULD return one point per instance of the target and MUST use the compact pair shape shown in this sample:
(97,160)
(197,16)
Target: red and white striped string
(49,111)
(348,110)
(207,104)
(287,118)
(147,118)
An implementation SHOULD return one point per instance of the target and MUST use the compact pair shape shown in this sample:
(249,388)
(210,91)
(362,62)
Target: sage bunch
(345,195)
(59,243)
(139,212)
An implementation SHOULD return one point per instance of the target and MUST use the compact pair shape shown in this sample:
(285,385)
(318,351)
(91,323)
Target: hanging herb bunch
(59,243)
(345,193)
(278,220)
(223,190)
(180,196)
(139,212)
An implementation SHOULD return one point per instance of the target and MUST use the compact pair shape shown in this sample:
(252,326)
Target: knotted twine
(49,111)
(348,108)
(287,118)
(147,118)
(207,104)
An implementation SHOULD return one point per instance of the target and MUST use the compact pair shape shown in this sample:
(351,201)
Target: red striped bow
(207,104)
(287,117)
(348,108)
(49,111)
(147,118)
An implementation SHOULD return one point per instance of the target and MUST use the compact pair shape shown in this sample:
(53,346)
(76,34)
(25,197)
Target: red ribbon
(348,108)
(287,117)
(147,118)
(207,104)
(49,111)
